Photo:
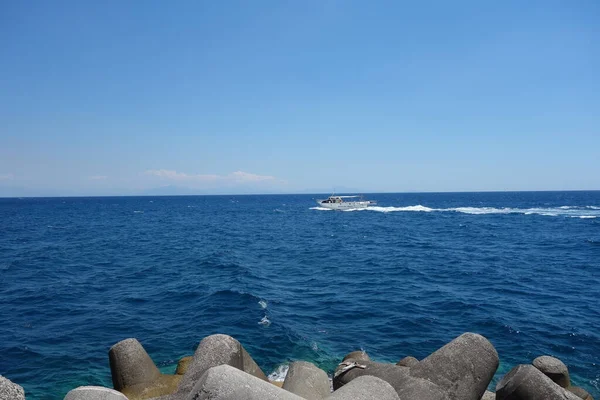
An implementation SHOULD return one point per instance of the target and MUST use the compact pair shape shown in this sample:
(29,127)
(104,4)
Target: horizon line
(297,193)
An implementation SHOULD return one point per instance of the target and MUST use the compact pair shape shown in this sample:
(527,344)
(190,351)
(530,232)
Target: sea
(293,281)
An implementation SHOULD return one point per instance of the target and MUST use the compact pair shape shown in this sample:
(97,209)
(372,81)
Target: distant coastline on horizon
(299,193)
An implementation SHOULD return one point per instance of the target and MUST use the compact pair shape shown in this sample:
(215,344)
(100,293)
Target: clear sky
(129,97)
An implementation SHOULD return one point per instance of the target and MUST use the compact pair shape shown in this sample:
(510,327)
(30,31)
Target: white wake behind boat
(345,202)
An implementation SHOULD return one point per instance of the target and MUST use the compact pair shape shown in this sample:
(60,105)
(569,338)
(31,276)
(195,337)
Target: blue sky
(116,97)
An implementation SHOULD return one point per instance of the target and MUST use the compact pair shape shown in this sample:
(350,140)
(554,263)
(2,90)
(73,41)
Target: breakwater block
(94,393)
(408,361)
(463,368)
(307,380)
(183,364)
(218,350)
(225,382)
(366,388)
(554,369)
(10,390)
(130,364)
(525,382)
(135,374)
(580,392)
(406,386)
(357,355)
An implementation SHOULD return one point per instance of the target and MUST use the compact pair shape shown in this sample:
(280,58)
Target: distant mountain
(18,191)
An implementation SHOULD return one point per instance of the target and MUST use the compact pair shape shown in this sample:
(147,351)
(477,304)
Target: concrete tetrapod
(554,369)
(134,373)
(94,393)
(130,364)
(525,382)
(357,355)
(307,381)
(225,382)
(580,392)
(10,390)
(183,364)
(463,368)
(217,350)
(408,361)
(407,387)
(365,388)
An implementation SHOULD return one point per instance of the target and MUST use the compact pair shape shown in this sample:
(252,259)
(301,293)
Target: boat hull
(347,205)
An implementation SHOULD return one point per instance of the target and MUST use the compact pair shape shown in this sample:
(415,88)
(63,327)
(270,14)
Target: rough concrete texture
(217,350)
(554,369)
(488,395)
(250,366)
(406,386)
(160,386)
(385,371)
(365,388)
(407,362)
(94,393)
(580,392)
(357,355)
(525,382)
(10,390)
(183,364)
(225,382)
(307,381)
(463,368)
(130,364)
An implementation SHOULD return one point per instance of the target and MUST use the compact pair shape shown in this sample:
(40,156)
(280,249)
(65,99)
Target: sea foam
(279,374)
(566,211)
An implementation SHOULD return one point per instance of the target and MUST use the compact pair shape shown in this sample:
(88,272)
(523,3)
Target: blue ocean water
(292,281)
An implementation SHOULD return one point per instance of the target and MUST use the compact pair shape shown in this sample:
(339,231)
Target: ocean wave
(567,211)
(417,208)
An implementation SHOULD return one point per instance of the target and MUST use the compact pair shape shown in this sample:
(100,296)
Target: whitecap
(417,208)
(263,304)
(138,212)
(566,211)
(279,374)
(265,321)
(482,210)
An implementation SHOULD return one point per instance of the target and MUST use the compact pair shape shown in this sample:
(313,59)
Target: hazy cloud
(236,177)
(242,176)
(182,176)
(6,177)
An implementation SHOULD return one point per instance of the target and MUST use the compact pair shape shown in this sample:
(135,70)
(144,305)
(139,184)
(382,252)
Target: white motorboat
(345,202)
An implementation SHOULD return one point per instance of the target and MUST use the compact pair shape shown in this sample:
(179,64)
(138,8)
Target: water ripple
(291,282)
